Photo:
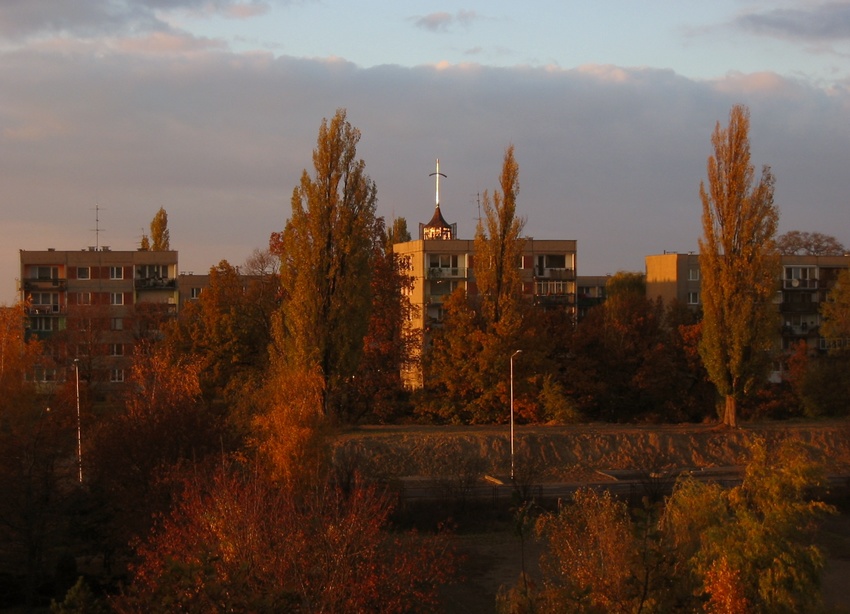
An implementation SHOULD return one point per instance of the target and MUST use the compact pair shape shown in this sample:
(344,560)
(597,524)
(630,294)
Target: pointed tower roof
(438,227)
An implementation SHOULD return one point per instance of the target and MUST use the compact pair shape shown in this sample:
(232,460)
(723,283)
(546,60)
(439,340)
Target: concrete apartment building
(804,283)
(440,263)
(93,305)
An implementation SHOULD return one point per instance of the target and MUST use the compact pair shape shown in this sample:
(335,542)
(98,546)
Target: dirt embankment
(567,453)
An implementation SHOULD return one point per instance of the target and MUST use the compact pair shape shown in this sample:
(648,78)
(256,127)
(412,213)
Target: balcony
(458,272)
(42,283)
(155,283)
(555,274)
(799,284)
(46,310)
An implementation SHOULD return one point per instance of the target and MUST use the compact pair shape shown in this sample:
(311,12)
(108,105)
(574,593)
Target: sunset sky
(210,109)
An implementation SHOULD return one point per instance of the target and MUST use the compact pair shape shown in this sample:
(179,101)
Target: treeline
(209,485)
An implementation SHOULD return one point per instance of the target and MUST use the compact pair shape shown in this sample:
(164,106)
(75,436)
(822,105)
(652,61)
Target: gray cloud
(22,19)
(820,22)
(443,22)
(609,156)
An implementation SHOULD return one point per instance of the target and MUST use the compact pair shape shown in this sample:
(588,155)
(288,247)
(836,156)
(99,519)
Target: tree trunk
(730,416)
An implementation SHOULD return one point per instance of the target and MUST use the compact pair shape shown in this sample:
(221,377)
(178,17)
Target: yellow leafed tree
(738,265)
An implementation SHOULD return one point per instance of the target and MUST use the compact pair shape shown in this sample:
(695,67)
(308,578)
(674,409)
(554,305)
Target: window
(84,298)
(195,293)
(116,349)
(693,298)
(43,374)
(116,375)
(117,324)
(443,261)
(83,272)
(442,287)
(44,324)
(47,272)
(45,302)
(116,272)
(693,274)
(116,298)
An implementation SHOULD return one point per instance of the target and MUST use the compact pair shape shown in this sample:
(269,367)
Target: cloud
(610,156)
(24,19)
(820,22)
(444,22)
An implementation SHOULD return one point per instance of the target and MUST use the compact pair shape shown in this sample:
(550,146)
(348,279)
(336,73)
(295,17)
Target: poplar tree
(160,239)
(738,265)
(326,254)
(498,246)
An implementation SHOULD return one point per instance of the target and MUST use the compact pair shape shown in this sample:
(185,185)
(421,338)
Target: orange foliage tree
(237,541)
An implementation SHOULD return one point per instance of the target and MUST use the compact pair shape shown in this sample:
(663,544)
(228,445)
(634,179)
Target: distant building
(804,283)
(94,305)
(592,291)
(440,263)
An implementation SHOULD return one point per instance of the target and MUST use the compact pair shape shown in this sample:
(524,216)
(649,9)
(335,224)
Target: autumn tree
(821,381)
(467,363)
(498,250)
(835,315)
(160,239)
(749,548)
(397,233)
(389,344)
(36,452)
(752,545)
(229,330)
(236,541)
(738,265)
(795,243)
(326,252)
(134,453)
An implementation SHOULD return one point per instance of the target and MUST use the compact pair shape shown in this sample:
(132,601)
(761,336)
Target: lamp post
(79,426)
(512,412)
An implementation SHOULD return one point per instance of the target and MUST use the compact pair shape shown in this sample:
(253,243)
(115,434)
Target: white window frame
(116,298)
(116,272)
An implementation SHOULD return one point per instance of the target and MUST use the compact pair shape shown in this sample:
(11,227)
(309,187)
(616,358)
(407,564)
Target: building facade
(440,263)
(93,306)
(804,283)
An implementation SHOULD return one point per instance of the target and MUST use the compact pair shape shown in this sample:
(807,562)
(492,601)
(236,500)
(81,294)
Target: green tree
(160,237)
(738,265)
(326,252)
(759,535)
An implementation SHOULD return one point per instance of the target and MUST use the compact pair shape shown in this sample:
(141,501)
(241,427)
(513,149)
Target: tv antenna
(97,229)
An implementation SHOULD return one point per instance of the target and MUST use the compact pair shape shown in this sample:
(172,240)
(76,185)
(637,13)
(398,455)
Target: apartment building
(93,306)
(805,282)
(440,263)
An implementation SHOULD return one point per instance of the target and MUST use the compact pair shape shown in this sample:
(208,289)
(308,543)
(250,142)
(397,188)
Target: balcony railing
(557,274)
(41,283)
(800,284)
(155,283)
(45,310)
(458,272)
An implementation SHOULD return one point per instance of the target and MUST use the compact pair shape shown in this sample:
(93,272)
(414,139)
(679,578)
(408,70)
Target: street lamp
(512,412)
(79,426)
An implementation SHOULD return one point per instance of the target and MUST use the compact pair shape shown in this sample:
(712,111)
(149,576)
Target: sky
(111,109)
